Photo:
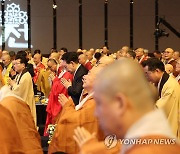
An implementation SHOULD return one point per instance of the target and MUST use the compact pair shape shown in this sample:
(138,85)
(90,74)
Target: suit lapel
(76,75)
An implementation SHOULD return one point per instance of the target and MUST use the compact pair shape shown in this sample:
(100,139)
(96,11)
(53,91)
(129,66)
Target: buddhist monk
(72,116)
(23,119)
(80,115)
(125,107)
(9,135)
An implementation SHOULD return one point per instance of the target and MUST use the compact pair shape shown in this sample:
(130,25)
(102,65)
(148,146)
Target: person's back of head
(98,56)
(82,59)
(12,55)
(131,54)
(176,55)
(37,51)
(22,53)
(169,68)
(53,50)
(70,57)
(64,49)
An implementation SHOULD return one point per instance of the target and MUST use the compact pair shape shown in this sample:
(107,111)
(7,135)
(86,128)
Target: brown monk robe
(73,116)
(70,119)
(125,107)
(98,147)
(25,124)
(10,141)
(162,148)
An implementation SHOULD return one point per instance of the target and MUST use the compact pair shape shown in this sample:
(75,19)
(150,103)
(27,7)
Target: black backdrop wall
(93,24)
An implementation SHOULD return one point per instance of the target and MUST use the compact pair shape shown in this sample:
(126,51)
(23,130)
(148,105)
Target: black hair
(12,53)
(132,53)
(23,59)
(80,53)
(21,53)
(157,51)
(53,50)
(64,49)
(97,55)
(37,51)
(153,64)
(70,56)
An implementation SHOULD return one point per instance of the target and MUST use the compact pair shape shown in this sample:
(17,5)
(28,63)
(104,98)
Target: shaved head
(105,60)
(6,59)
(129,80)
(121,90)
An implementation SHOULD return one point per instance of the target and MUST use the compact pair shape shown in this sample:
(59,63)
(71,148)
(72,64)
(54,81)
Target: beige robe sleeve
(25,90)
(170,103)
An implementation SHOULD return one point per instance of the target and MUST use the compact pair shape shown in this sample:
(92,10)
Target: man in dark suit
(75,88)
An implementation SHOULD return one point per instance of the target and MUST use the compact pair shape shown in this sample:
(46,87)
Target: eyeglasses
(17,63)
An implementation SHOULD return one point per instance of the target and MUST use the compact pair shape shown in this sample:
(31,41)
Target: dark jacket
(77,84)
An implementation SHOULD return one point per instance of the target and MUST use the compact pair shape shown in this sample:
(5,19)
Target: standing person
(85,62)
(140,55)
(168,56)
(54,107)
(10,138)
(176,55)
(6,59)
(23,118)
(23,85)
(72,65)
(169,91)
(125,108)
(178,70)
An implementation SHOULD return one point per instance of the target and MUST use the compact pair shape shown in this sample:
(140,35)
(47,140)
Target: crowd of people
(91,94)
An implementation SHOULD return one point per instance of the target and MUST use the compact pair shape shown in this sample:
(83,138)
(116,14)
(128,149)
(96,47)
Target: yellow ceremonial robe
(5,73)
(43,83)
(170,103)
(24,89)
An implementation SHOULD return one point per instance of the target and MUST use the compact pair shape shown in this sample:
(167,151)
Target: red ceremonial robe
(54,107)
